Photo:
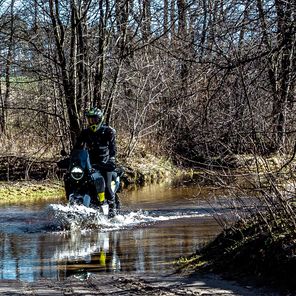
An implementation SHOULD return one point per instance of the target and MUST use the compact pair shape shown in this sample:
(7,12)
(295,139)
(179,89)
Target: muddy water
(158,224)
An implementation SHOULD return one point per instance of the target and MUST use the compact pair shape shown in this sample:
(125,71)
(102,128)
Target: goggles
(93,120)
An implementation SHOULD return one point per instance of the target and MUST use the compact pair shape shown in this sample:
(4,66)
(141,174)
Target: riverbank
(44,180)
(260,248)
(24,192)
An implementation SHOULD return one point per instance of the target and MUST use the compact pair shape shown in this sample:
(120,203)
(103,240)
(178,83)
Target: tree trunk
(100,63)
(9,60)
(286,39)
(68,85)
(280,66)
(146,20)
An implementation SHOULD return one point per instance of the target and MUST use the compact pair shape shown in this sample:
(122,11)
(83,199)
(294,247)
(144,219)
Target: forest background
(194,80)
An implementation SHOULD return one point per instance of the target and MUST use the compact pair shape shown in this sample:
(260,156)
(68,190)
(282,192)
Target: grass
(30,192)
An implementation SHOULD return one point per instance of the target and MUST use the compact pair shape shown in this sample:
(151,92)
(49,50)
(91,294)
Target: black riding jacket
(101,144)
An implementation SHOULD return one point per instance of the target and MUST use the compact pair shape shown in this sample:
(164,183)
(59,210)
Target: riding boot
(112,212)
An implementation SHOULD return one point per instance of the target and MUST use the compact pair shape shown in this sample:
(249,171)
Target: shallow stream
(158,224)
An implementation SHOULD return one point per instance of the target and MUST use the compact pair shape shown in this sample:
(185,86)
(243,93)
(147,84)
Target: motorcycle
(84,183)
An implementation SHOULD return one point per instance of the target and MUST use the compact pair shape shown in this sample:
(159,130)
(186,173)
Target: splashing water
(80,217)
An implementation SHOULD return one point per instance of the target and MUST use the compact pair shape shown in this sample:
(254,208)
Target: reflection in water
(141,250)
(89,253)
(33,246)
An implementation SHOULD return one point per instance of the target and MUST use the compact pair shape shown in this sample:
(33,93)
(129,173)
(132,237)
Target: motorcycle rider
(100,140)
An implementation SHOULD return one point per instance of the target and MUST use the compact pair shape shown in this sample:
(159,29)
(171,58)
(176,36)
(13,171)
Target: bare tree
(210,78)
(9,61)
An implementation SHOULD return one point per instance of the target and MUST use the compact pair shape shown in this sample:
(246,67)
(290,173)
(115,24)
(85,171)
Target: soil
(260,251)
(129,284)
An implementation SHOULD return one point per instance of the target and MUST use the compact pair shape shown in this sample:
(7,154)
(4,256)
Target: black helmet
(95,118)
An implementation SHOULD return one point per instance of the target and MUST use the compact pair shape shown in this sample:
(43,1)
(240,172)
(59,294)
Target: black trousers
(110,195)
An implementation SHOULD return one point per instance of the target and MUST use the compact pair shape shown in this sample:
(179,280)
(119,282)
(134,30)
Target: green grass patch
(30,192)
(190,263)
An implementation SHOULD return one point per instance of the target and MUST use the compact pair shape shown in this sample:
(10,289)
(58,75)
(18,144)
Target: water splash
(80,217)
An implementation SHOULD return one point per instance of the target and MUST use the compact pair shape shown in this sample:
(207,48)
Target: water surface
(158,224)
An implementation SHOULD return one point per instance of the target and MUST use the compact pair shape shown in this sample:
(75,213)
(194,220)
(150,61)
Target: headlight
(77,173)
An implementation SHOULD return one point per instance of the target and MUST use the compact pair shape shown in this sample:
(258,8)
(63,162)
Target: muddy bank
(124,284)
(260,249)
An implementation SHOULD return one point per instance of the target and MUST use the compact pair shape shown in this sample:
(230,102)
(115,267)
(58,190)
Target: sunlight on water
(58,240)
(83,218)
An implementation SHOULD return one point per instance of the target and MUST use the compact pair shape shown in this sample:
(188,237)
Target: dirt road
(124,284)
